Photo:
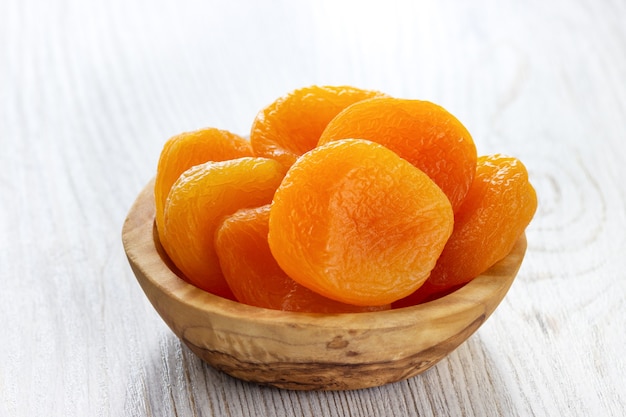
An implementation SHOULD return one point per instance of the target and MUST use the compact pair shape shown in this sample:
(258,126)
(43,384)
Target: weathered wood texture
(89,91)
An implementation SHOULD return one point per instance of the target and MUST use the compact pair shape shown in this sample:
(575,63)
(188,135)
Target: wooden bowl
(304,351)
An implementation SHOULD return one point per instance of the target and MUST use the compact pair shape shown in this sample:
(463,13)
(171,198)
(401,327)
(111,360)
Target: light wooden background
(90,90)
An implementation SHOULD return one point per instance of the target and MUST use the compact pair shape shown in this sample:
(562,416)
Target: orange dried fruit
(292,124)
(423,133)
(253,274)
(356,223)
(427,292)
(199,199)
(185,150)
(496,211)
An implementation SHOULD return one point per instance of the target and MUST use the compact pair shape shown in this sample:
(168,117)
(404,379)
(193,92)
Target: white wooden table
(90,90)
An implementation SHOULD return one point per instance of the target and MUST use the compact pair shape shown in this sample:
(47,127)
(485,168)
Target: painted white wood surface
(90,90)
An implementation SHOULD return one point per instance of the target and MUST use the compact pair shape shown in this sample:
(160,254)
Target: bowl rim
(144,253)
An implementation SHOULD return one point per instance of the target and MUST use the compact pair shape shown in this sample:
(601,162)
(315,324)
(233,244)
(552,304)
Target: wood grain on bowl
(303,351)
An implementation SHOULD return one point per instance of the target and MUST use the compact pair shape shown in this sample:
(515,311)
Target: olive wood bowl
(303,351)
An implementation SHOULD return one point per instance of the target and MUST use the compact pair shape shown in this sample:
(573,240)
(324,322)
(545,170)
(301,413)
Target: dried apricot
(421,132)
(427,292)
(183,151)
(292,124)
(497,209)
(356,223)
(253,274)
(197,202)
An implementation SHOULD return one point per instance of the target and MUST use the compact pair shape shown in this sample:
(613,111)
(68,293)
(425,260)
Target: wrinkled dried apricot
(199,199)
(356,223)
(421,132)
(374,201)
(253,274)
(497,209)
(183,151)
(292,124)
(427,292)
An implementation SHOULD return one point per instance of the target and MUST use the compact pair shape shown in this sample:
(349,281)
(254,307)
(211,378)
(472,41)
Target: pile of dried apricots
(342,200)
